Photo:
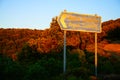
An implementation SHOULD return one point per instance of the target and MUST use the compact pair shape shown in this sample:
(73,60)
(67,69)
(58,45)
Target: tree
(10,70)
(27,55)
(114,34)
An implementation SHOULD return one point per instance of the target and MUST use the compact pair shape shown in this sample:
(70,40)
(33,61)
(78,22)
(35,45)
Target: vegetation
(111,29)
(50,66)
(114,34)
(45,41)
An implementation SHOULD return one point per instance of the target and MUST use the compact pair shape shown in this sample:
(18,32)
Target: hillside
(44,41)
(27,54)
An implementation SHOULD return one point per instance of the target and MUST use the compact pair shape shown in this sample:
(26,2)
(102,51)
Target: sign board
(79,22)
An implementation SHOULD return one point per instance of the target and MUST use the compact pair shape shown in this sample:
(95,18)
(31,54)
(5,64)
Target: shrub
(114,34)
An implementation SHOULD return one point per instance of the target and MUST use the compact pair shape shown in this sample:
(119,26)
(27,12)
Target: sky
(38,14)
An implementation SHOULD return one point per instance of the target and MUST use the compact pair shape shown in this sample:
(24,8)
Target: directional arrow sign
(79,22)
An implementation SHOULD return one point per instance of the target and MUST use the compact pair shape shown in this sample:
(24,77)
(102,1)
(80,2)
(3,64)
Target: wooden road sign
(79,22)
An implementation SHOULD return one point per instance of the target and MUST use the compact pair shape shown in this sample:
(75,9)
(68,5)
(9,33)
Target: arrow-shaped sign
(79,22)
(62,18)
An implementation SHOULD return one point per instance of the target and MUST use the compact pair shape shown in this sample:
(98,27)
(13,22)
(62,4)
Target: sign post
(96,54)
(70,21)
(64,56)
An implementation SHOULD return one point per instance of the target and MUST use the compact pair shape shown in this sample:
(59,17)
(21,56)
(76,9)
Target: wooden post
(96,54)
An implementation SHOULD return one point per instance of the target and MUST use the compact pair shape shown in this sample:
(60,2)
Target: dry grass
(105,49)
(112,47)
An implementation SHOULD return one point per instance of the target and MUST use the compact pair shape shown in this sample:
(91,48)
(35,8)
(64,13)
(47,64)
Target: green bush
(36,72)
(72,78)
(10,70)
(27,56)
